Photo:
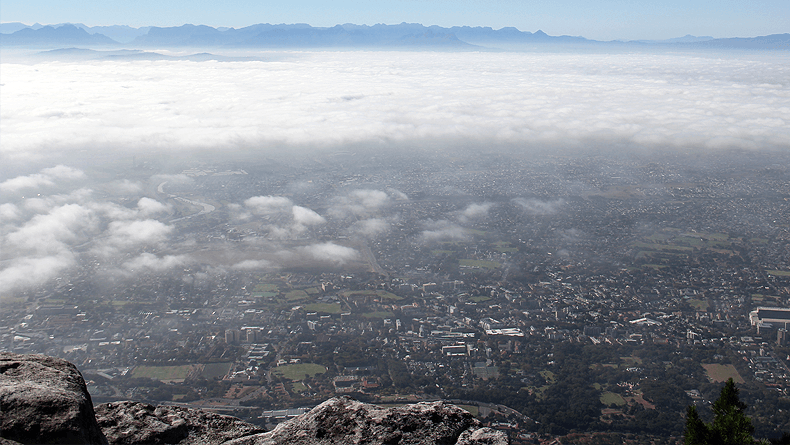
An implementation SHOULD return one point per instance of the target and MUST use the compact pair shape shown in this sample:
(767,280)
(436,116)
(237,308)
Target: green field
(700,305)
(631,360)
(327,308)
(720,373)
(296,295)
(299,387)
(661,247)
(162,372)
(778,273)
(266,287)
(504,247)
(480,298)
(472,409)
(483,264)
(378,314)
(608,398)
(215,370)
(549,377)
(382,294)
(298,371)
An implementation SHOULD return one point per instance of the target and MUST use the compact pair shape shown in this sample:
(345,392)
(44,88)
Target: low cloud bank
(652,100)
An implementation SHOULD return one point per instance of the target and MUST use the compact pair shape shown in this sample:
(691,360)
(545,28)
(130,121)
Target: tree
(696,432)
(730,425)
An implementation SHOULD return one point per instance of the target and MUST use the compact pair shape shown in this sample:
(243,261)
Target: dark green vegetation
(730,424)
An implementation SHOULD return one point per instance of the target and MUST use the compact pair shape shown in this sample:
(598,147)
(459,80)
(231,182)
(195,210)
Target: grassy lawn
(215,370)
(382,294)
(631,360)
(296,295)
(720,373)
(266,287)
(299,387)
(700,305)
(327,308)
(480,298)
(608,398)
(162,372)
(549,377)
(504,247)
(378,314)
(483,264)
(778,273)
(661,247)
(298,371)
(472,409)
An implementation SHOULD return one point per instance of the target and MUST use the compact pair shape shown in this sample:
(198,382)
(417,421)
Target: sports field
(720,373)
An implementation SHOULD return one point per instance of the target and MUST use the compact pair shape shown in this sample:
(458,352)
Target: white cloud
(8,212)
(370,227)
(540,207)
(268,204)
(475,211)
(46,177)
(151,262)
(51,232)
(25,182)
(658,100)
(329,252)
(125,187)
(131,233)
(307,217)
(443,230)
(148,206)
(360,203)
(34,271)
(253,265)
(63,172)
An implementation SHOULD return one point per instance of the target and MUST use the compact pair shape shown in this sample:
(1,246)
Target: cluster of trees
(730,425)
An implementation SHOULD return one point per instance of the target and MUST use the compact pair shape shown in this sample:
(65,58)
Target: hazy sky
(602,20)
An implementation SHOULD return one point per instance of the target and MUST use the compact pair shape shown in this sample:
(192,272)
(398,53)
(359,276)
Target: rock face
(44,400)
(342,421)
(133,423)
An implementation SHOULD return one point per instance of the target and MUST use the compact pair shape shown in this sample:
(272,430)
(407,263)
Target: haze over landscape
(555,224)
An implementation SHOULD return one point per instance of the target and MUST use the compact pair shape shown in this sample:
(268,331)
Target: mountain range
(404,35)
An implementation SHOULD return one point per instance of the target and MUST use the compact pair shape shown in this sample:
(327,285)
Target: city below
(553,294)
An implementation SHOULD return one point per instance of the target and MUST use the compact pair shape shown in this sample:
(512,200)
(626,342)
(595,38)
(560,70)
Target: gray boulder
(134,423)
(44,400)
(342,420)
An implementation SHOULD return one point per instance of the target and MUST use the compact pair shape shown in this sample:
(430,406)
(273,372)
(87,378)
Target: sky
(599,20)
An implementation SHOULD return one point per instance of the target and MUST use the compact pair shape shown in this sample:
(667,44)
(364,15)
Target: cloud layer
(655,100)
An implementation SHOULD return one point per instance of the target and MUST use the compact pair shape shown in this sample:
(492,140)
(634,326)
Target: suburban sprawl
(589,297)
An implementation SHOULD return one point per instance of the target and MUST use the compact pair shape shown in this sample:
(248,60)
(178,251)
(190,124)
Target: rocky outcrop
(134,423)
(44,400)
(342,421)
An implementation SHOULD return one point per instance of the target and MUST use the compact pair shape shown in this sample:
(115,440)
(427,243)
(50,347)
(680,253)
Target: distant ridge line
(403,35)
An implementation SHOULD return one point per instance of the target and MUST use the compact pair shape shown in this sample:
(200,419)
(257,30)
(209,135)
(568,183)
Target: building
(765,318)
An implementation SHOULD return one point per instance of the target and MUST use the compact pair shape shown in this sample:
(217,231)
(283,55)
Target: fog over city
(60,115)
(458,217)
